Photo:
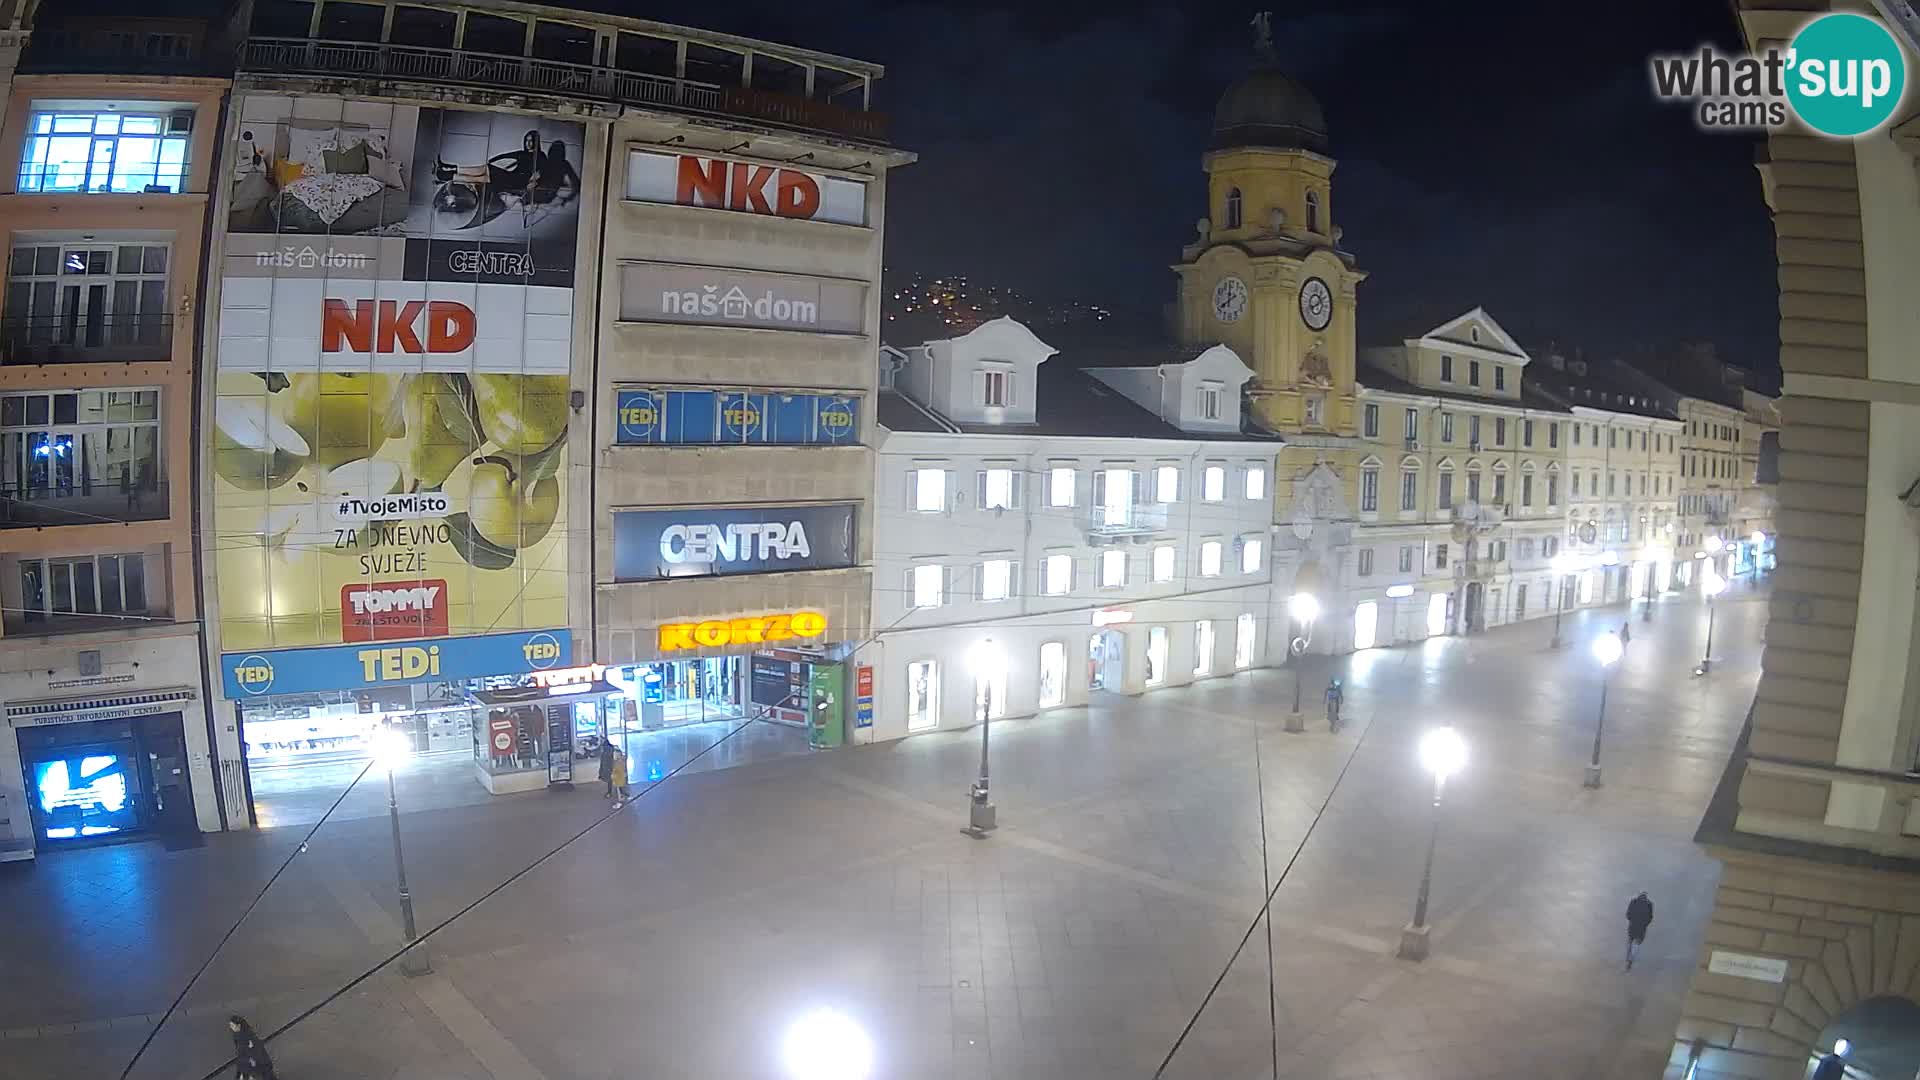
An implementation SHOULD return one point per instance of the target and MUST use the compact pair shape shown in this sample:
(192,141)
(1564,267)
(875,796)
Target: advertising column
(392,379)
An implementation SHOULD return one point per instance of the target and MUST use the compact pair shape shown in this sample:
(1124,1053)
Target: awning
(84,709)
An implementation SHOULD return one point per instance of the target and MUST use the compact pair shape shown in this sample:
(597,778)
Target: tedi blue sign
(357,667)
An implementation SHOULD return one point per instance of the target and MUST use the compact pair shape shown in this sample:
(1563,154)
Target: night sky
(1508,155)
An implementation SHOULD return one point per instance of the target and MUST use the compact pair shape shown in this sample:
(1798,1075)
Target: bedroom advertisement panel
(391,410)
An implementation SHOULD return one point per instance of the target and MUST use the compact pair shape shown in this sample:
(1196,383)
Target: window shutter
(1016,484)
(1013,580)
(1099,489)
(946,583)
(912,600)
(1139,487)
(979,581)
(913,489)
(980,489)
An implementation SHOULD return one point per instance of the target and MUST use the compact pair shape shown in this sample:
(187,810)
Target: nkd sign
(745,187)
(711,296)
(652,544)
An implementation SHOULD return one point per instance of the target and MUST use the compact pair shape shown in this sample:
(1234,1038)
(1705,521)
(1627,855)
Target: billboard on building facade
(746,187)
(719,296)
(392,375)
(649,545)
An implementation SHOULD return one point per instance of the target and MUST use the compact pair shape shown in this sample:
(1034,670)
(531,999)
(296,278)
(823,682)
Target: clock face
(1316,304)
(1229,299)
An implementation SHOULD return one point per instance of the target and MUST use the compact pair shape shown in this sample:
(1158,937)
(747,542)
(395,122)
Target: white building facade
(1105,528)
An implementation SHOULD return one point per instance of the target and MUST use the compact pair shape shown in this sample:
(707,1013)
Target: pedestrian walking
(620,792)
(250,1060)
(607,754)
(1639,917)
(1335,695)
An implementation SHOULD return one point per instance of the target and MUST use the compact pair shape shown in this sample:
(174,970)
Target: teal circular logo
(1845,75)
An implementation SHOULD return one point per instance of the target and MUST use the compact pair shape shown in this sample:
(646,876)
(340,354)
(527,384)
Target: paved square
(681,936)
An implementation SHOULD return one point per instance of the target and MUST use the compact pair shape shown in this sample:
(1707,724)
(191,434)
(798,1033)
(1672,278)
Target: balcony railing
(1138,520)
(85,339)
(351,59)
(81,504)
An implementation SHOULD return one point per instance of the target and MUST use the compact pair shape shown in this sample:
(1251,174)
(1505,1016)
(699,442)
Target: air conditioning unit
(1474,445)
(1141,540)
(1412,444)
(180,122)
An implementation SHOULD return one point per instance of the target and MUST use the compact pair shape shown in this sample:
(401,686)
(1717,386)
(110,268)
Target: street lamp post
(413,961)
(988,661)
(1442,752)
(1304,608)
(1562,565)
(1712,584)
(1606,649)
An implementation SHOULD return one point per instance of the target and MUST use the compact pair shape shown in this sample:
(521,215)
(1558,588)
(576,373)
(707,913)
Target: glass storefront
(347,725)
(677,692)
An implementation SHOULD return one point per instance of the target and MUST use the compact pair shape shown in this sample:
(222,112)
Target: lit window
(929,585)
(1251,554)
(1163,563)
(1243,631)
(94,151)
(1256,482)
(1060,481)
(1210,559)
(1202,646)
(1213,486)
(1113,569)
(996,579)
(1059,571)
(999,489)
(996,389)
(930,490)
(1115,495)
(1210,400)
(1166,484)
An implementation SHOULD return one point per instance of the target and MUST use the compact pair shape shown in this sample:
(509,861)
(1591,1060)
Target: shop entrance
(676,692)
(1106,660)
(107,779)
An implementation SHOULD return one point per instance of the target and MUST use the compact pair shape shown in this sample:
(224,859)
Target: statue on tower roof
(1263,34)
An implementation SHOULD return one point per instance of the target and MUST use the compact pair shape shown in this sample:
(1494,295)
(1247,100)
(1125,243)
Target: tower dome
(1267,107)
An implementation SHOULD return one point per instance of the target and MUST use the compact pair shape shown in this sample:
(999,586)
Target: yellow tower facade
(1265,274)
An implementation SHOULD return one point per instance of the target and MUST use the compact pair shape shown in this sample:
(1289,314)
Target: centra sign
(751,630)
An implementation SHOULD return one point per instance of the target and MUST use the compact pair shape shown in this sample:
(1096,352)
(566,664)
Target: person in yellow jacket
(620,792)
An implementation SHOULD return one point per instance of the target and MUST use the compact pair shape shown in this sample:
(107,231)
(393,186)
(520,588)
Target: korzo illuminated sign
(750,630)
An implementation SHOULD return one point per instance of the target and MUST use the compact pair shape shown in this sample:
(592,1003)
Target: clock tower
(1265,276)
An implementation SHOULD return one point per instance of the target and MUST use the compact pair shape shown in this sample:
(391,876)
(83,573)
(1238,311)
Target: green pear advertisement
(389,436)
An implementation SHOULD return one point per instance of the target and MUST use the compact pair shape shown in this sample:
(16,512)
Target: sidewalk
(680,937)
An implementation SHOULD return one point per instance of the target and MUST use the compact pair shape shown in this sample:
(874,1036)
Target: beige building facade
(104,213)
(1817,922)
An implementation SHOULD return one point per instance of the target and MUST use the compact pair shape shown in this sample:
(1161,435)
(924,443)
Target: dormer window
(1210,400)
(1313,211)
(996,388)
(1232,216)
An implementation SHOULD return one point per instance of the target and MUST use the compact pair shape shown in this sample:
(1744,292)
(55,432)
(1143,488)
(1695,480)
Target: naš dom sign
(750,630)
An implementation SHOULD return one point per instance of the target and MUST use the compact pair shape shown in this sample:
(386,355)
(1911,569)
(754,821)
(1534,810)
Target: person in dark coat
(1639,917)
(250,1060)
(1833,1066)
(607,753)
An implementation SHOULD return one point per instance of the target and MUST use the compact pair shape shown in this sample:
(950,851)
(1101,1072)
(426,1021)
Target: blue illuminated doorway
(87,792)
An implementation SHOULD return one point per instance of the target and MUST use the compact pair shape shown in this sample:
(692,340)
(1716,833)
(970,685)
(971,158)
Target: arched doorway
(1883,1039)
(1107,661)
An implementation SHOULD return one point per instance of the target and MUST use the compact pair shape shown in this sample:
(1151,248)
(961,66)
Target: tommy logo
(381,612)
(388,326)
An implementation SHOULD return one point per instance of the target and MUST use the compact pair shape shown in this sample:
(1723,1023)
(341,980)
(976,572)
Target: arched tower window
(1233,208)
(1313,211)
